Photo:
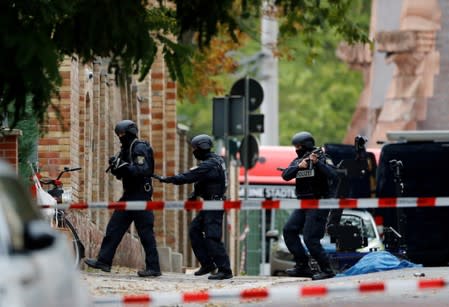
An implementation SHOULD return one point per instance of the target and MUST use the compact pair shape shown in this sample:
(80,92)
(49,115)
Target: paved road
(283,291)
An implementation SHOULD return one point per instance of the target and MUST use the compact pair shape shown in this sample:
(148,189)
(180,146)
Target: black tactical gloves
(116,165)
(163,179)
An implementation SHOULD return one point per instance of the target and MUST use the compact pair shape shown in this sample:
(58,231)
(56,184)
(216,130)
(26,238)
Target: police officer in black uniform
(315,178)
(205,231)
(134,165)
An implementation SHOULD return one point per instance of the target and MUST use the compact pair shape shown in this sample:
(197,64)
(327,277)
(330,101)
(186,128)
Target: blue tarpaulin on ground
(378,262)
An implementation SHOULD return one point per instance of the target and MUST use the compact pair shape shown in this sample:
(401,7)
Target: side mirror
(272,234)
(38,234)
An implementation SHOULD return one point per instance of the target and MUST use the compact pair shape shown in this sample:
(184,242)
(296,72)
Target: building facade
(406,71)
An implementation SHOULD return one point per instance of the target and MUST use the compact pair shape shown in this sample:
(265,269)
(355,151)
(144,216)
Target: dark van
(416,164)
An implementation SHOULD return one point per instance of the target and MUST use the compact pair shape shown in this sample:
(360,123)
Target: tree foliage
(27,143)
(317,92)
(318,97)
(35,35)
(204,75)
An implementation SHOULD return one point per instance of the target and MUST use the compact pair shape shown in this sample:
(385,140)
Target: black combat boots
(300,270)
(94,263)
(221,274)
(206,270)
(148,273)
(326,272)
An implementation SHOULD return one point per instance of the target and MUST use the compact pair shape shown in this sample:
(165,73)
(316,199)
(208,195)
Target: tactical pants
(205,233)
(117,227)
(311,223)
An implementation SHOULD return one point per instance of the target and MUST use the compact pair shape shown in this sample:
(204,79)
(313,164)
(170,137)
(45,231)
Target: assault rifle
(113,161)
(318,151)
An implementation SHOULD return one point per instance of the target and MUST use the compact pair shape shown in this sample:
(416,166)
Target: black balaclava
(127,139)
(200,154)
(301,152)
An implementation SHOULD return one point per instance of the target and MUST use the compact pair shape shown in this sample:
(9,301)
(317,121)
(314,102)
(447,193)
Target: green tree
(316,90)
(27,141)
(318,97)
(36,34)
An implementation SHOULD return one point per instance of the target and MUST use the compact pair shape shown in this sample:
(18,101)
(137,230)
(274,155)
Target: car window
(18,210)
(364,225)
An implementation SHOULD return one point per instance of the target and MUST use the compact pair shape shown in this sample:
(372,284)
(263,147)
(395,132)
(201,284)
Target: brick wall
(9,146)
(92,100)
(79,133)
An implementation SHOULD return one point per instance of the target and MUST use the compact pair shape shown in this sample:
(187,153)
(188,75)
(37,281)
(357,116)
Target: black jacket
(209,178)
(136,175)
(318,182)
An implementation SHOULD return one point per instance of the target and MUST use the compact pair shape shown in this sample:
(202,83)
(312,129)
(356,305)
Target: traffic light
(251,90)
(228,116)
(256,123)
(234,115)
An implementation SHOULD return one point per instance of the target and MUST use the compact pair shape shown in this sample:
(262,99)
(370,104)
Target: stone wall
(406,82)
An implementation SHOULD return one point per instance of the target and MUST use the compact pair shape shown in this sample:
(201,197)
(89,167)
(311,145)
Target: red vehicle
(264,181)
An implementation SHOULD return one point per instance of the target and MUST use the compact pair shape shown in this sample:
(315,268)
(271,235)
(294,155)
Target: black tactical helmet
(202,141)
(304,139)
(126,126)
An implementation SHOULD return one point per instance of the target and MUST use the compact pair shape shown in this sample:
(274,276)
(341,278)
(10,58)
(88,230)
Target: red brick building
(406,80)
(9,146)
(92,100)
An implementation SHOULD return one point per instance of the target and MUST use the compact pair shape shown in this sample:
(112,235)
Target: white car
(35,261)
(281,258)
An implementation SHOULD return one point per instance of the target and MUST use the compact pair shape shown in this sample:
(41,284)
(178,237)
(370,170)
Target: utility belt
(145,188)
(213,197)
(312,195)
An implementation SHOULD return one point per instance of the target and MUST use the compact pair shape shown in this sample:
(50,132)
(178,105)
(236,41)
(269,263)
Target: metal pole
(272,226)
(270,80)
(246,129)
(263,242)
(245,158)
(226,145)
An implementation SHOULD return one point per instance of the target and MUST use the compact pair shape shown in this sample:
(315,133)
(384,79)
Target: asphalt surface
(401,289)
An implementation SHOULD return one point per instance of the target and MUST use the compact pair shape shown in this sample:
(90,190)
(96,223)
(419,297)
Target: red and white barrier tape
(334,203)
(276,294)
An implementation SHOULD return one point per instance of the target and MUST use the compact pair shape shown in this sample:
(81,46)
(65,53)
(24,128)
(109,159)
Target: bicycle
(58,219)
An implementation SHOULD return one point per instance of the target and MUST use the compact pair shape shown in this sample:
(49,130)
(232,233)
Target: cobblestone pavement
(123,281)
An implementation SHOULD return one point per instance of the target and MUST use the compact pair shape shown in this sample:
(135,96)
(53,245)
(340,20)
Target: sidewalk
(123,282)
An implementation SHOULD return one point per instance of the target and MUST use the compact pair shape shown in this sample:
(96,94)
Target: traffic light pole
(226,133)
(245,150)
(246,125)
(227,161)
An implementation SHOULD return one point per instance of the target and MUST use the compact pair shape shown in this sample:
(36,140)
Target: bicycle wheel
(77,248)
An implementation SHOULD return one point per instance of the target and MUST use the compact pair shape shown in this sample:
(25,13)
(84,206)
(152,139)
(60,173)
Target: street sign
(249,151)
(255,92)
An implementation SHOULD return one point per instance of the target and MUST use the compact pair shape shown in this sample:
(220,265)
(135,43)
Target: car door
(423,172)
(9,280)
(35,260)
